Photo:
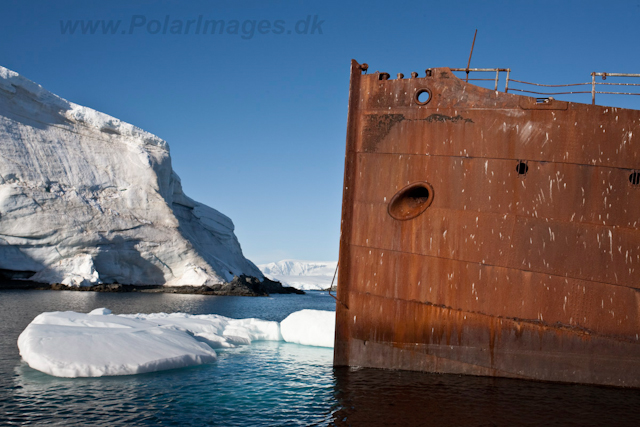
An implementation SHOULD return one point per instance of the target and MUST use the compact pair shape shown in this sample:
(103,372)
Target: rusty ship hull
(488,233)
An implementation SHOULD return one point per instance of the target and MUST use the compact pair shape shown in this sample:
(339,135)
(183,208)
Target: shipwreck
(489,233)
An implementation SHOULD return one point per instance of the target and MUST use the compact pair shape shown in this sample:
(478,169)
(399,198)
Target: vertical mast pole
(471,53)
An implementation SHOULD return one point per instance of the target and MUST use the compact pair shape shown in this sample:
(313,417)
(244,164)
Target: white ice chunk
(310,327)
(69,344)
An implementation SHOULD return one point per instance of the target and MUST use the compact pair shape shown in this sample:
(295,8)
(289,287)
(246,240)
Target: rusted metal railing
(573,92)
(593,83)
(604,77)
(482,70)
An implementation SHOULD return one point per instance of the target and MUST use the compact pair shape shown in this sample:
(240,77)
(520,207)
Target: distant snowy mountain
(305,275)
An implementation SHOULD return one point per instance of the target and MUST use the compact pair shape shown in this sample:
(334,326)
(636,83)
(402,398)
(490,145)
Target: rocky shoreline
(239,286)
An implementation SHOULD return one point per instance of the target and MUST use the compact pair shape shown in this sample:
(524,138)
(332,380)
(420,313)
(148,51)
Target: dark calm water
(268,383)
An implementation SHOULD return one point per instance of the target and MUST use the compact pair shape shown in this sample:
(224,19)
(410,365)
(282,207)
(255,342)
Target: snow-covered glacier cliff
(87,199)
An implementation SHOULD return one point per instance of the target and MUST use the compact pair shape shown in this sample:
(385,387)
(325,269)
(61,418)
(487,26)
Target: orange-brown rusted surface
(525,261)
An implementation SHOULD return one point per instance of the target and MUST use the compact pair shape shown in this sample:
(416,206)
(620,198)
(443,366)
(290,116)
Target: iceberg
(99,343)
(87,199)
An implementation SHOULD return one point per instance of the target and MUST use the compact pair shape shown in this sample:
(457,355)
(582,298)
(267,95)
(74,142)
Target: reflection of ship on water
(382,397)
(488,233)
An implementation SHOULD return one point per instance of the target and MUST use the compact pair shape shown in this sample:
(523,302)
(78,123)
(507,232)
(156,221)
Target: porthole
(522,168)
(634,178)
(422,96)
(411,201)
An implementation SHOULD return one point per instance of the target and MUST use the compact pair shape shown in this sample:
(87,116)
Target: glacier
(304,275)
(99,343)
(87,199)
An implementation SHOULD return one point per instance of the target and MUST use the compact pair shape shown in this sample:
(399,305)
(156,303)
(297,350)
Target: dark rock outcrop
(239,286)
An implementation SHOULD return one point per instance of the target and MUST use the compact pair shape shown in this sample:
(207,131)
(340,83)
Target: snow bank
(69,344)
(309,327)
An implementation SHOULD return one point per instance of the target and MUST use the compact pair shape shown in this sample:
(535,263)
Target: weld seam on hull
(497,266)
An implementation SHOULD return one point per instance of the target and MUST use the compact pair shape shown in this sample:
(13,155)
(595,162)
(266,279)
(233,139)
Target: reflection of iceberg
(69,344)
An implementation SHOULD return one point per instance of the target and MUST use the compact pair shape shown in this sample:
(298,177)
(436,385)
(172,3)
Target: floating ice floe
(309,327)
(70,344)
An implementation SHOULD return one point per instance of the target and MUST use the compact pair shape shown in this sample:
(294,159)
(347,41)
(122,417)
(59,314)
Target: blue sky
(256,122)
